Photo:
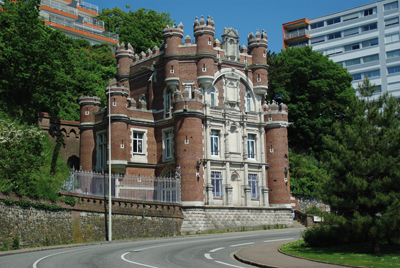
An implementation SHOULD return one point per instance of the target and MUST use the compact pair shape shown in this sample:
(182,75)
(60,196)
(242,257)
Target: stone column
(209,186)
(228,187)
(263,179)
(246,188)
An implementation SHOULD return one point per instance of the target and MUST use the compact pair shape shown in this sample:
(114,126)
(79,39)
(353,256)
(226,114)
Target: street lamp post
(109,166)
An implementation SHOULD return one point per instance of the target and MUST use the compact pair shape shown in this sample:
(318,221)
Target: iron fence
(136,187)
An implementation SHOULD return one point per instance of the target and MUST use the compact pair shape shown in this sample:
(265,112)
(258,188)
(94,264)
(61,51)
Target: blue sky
(244,16)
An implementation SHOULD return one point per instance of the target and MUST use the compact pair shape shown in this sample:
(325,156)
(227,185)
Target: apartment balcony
(59,8)
(297,33)
(88,9)
(80,29)
(93,22)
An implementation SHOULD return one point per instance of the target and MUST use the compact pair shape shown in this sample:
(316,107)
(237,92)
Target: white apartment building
(364,39)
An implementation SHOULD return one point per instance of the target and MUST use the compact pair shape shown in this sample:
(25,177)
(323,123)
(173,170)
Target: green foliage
(142,28)
(27,204)
(26,161)
(313,210)
(15,244)
(70,201)
(317,92)
(304,174)
(5,246)
(364,168)
(43,70)
(56,152)
(8,202)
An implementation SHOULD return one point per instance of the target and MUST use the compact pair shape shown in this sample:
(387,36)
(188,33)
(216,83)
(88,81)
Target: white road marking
(277,240)
(208,256)
(36,262)
(141,264)
(237,245)
(215,249)
(229,264)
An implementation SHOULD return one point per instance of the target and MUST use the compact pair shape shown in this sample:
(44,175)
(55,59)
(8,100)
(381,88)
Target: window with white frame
(213,96)
(351,47)
(137,142)
(215,142)
(101,151)
(168,144)
(216,181)
(390,6)
(392,38)
(392,21)
(251,146)
(189,89)
(248,101)
(253,183)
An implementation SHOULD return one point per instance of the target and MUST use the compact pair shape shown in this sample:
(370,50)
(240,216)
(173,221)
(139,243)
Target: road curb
(257,264)
(325,262)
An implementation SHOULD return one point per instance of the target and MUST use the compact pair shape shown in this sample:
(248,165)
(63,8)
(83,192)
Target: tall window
(137,143)
(168,144)
(253,183)
(168,188)
(248,101)
(189,89)
(216,180)
(167,109)
(213,96)
(101,151)
(251,145)
(214,142)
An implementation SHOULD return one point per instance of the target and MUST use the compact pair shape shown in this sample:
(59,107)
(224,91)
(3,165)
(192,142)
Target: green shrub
(70,201)
(322,235)
(15,244)
(8,201)
(5,245)
(313,210)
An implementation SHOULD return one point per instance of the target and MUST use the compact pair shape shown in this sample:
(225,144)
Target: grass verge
(351,254)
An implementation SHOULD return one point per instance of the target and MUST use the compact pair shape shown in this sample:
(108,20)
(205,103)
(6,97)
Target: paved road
(188,251)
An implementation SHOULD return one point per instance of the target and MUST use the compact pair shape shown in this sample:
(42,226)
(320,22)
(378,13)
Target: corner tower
(257,46)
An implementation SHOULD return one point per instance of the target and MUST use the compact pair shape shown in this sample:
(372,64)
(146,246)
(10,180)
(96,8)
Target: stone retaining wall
(86,221)
(206,219)
(305,202)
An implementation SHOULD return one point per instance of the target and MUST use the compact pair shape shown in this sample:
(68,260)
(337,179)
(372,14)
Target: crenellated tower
(125,56)
(257,47)
(276,143)
(204,33)
(172,39)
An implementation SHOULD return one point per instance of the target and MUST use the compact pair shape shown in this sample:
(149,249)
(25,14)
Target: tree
(304,174)
(141,28)
(316,91)
(43,70)
(363,185)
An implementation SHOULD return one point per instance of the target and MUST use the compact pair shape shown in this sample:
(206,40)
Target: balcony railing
(296,33)
(93,21)
(80,27)
(59,6)
(89,6)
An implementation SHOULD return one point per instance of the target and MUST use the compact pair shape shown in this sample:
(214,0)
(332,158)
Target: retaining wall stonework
(86,221)
(305,202)
(205,219)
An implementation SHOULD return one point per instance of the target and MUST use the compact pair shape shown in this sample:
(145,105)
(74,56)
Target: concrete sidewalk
(267,255)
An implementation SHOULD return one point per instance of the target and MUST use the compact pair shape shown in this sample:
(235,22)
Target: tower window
(204,68)
(172,70)
(209,41)
(258,78)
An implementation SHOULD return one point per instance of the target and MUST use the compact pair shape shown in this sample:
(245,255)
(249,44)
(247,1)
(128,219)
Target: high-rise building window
(390,6)
(317,25)
(334,35)
(368,12)
(394,69)
(216,181)
(215,142)
(392,21)
(369,27)
(333,21)
(393,54)
(392,38)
